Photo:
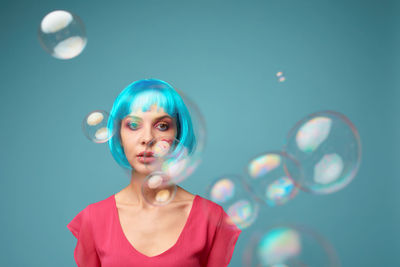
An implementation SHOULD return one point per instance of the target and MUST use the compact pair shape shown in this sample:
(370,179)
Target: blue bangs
(151,97)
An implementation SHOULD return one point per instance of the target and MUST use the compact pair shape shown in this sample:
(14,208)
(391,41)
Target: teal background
(338,55)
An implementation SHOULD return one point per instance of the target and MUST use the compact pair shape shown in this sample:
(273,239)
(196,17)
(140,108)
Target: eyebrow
(163,117)
(133,117)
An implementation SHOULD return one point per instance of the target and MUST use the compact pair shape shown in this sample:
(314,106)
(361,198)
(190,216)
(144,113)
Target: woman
(123,229)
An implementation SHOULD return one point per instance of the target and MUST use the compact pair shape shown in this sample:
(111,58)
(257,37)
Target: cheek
(170,134)
(127,142)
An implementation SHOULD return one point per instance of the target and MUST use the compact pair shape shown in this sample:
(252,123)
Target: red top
(207,239)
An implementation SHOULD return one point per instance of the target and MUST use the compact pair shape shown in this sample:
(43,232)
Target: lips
(145,154)
(146,157)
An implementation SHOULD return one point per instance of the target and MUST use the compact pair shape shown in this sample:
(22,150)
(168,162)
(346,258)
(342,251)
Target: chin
(142,169)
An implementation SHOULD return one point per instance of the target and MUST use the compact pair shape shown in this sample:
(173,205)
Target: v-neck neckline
(121,231)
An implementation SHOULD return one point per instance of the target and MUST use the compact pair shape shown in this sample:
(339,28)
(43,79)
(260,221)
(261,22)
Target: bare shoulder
(183,196)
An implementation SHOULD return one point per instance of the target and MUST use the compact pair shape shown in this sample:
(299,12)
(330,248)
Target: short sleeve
(224,242)
(85,253)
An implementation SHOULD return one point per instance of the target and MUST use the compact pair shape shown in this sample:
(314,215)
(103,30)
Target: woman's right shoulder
(102,207)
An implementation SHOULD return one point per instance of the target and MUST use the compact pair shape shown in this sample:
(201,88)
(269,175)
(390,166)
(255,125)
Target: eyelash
(129,124)
(163,123)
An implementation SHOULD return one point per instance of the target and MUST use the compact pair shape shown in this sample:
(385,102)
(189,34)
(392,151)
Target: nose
(147,137)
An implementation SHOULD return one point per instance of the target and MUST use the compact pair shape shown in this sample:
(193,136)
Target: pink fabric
(207,239)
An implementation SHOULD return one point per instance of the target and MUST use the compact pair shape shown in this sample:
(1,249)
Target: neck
(134,190)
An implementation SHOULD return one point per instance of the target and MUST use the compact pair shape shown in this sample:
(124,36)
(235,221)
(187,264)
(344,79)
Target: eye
(162,126)
(133,125)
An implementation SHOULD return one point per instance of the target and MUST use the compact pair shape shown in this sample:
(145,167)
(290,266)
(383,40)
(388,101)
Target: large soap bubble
(171,156)
(328,148)
(268,180)
(289,246)
(229,192)
(62,34)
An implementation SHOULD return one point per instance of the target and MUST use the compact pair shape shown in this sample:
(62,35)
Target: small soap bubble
(280,76)
(169,156)
(95,128)
(327,146)
(62,34)
(268,180)
(228,191)
(158,189)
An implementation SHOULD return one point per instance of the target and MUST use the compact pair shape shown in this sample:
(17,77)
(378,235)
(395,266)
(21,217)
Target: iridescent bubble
(280,76)
(168,156)
(328,147)
(173,157)
(267,179)
(158,190)
(95,128)
(229,192)
(289,245)
(62,34)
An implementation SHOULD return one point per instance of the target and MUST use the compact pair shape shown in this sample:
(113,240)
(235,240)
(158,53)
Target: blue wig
(142,95)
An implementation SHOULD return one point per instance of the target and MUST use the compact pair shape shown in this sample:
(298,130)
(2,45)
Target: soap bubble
(280,76)
(62,34)
(327,146)
(95,128)
(157,189)
(267,178)
(291,246)
(228,191)
(173,157)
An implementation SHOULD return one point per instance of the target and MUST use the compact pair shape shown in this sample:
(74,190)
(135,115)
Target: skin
(151,230)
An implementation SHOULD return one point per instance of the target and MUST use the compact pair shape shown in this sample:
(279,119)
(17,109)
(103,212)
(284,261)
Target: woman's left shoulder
(183,195)
(210,207)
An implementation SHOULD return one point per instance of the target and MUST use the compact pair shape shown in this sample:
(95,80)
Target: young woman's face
(139,130)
